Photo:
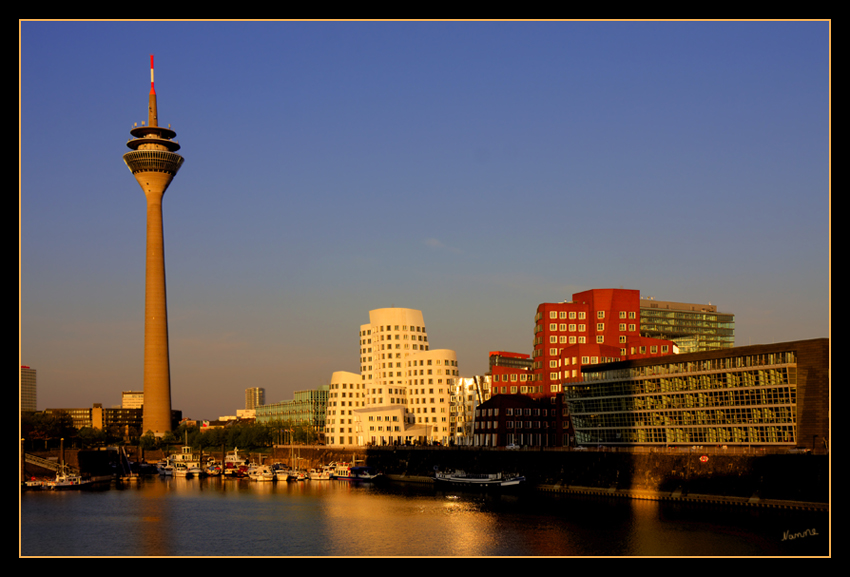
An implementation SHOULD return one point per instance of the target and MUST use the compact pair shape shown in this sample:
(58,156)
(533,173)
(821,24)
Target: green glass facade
(307,408)
(694,328)
(743,396)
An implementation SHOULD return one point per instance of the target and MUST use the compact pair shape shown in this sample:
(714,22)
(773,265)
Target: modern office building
(153,161)
(401,379)
(123,421)
(693,327)
(132,399)
(254,397)
(306,409)
(761,395)
(596,326)
(28,391)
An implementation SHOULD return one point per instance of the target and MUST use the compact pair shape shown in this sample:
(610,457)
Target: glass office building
(693,327)
(757,395)
(307,408)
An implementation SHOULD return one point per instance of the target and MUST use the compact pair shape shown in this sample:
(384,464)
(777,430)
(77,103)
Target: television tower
(154,162)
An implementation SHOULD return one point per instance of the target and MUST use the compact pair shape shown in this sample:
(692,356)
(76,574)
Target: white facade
(346,394)
(405,387)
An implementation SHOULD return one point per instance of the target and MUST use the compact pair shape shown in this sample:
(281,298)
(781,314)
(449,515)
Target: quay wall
(781,477)
(799,478)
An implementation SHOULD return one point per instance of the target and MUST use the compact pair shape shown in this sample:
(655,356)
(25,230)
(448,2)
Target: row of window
(513,425)
(514,377)
(761,435)
(581,314)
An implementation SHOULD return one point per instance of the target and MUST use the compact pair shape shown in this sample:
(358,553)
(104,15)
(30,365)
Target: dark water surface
(217,517)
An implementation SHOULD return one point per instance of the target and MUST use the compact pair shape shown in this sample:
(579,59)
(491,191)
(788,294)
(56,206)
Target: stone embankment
(780,480)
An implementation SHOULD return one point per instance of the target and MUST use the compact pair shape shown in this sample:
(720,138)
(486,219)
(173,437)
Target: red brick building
(522,421)
(596,326)
(510,372)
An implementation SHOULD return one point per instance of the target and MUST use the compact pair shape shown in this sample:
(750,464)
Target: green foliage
(250,436)
(43,426)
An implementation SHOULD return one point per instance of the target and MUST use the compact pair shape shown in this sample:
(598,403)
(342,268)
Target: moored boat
(64,480)
(462,478)
(340,470)
(364,473)
(234,464)
(186,463)
(164,468)
(320,474)
(261,473)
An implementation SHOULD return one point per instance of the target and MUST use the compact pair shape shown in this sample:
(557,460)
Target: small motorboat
(363,473)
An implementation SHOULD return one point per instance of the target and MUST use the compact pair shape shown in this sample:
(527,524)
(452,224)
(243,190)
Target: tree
(148,441)
(92,437)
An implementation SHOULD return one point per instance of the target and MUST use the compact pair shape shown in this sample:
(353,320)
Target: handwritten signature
(789,536)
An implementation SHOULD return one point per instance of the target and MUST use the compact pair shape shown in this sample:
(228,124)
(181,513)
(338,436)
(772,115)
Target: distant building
(118,420)
(132,399)
(28,389)
(765,395)
(693,327)
(307,409)
(255,397)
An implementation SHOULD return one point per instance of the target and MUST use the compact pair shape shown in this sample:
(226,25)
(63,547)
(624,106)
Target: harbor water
(218,517)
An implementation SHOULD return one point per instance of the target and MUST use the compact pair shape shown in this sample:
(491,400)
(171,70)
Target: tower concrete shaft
(154,163)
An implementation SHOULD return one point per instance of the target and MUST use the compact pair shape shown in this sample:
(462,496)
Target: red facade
(596,326)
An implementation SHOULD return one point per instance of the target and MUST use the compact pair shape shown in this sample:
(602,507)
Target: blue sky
(472,170)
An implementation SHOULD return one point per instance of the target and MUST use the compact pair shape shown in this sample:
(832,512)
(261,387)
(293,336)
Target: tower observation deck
(154,162)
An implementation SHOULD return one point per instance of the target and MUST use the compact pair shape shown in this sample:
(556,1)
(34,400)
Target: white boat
(165,468)
(65,480)
(186,463)
(459,477)
(235,465)
(322,474)
(340,470)
(261,473)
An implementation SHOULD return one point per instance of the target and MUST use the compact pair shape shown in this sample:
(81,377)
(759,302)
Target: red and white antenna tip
(152,90)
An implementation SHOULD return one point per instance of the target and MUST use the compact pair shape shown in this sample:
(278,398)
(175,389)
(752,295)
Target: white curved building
(405,386)
(346,394)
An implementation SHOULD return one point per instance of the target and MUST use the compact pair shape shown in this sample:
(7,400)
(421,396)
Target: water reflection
(219,517)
